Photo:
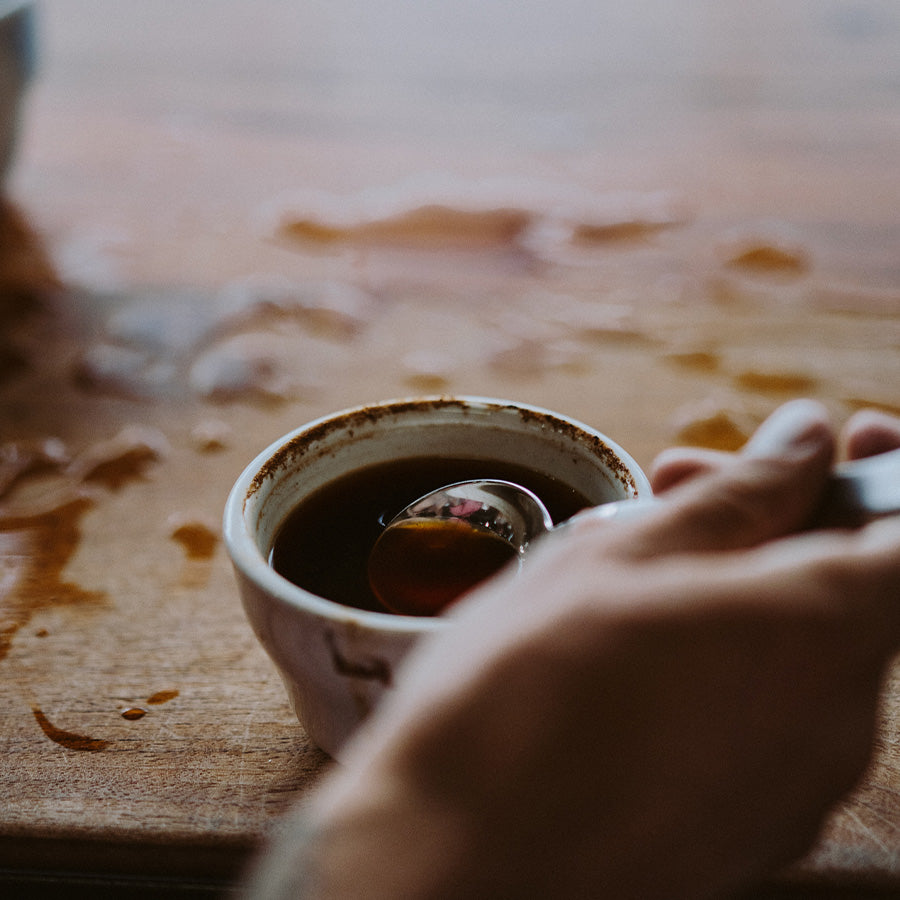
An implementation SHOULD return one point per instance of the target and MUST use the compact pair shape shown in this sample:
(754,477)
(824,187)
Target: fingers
(848,578)
(870,432)
(873,570)
(679,464)
(767,490)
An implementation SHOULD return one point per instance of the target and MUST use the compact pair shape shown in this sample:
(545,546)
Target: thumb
(767,490)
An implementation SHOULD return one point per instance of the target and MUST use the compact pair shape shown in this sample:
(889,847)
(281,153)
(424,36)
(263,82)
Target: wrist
(372,835)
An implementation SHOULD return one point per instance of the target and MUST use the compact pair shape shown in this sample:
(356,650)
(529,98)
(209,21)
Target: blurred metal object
(508,510)
(17,60)
(863,490)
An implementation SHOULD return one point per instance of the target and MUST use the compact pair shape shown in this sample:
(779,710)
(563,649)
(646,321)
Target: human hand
(665,707)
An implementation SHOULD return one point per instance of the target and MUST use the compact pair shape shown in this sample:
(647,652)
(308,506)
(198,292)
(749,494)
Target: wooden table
(663,220)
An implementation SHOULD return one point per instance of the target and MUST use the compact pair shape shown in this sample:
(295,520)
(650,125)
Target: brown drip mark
(41,546)
(373,670)
(162,697)
(133,713)
(432,224)
(7,630)
(121,459)
(766,257)
(700,360)
(116,472)
(776,382)
(199,540)
(68,739)
(634,230)
(716,432)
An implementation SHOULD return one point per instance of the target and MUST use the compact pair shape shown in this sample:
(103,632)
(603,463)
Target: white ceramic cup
(336,661)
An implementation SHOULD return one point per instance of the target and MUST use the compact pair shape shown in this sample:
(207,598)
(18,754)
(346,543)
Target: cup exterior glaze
(337,661)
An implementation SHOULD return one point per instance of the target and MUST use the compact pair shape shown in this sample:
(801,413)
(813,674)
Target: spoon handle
(864,489)
(857,492)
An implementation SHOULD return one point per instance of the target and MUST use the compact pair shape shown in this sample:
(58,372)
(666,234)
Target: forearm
(378,842)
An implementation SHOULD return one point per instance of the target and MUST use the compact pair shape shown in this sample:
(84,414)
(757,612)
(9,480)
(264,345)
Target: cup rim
(246,556)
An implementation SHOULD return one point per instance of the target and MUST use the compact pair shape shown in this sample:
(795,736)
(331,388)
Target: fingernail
(800,427)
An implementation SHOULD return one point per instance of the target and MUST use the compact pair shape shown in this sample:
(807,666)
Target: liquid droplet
(162,697)
(198,539)
(762,254)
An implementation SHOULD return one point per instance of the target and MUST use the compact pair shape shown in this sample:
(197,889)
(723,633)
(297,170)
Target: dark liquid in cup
(325,542)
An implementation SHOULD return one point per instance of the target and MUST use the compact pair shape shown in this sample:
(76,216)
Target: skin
(666,706)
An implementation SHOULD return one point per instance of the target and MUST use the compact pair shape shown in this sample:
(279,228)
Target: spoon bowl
(508,510)
(450,540)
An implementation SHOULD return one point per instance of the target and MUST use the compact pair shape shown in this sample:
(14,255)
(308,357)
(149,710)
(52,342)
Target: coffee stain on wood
(68,739)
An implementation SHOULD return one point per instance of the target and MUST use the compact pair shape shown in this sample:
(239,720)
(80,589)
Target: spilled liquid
(197,538)
(771,257)
(239,344)
(133,713)
(716,431)
(124,458)
(35,551)
(68,739)
(441,214)
(161,697)
(40,530)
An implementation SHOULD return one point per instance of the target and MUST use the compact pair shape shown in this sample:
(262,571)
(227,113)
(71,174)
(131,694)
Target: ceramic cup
(337,661)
